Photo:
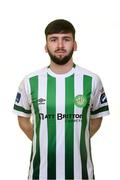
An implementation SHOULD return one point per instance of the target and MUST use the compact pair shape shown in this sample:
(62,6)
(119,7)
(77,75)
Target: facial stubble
(60,60)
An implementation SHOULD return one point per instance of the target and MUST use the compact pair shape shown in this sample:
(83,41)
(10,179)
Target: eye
(53,39)
(67,39)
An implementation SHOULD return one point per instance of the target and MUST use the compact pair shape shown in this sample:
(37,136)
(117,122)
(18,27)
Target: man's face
(60,47)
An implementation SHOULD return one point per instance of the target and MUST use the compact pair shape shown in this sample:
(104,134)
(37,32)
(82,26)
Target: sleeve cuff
(101,114)
(19,113)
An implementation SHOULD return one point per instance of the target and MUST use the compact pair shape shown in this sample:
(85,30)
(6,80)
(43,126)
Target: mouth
(60,52)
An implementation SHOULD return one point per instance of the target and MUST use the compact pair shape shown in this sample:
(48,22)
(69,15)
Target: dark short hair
(60,26)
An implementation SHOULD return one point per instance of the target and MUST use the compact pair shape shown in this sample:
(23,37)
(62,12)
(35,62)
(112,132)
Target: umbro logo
(41,101)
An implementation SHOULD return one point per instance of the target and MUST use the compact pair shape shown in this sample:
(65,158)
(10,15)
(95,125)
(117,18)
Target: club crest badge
(80,101)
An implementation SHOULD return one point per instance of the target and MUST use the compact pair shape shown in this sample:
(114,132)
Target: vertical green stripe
(69,128)
(87,85)
(34,94)
(51,124)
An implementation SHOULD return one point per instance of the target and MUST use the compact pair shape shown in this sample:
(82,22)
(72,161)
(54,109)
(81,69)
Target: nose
(60,43)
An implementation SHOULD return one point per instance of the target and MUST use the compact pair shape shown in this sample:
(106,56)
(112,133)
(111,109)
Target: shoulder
(26,79)
(85,72)
(39,72)
(95,79)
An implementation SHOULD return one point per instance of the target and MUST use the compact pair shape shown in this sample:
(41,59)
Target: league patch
(18,97)
(103,98)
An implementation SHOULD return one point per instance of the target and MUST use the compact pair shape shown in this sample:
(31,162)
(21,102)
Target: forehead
(60,35)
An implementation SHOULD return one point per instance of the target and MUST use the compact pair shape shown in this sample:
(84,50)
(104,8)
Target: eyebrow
(55,37)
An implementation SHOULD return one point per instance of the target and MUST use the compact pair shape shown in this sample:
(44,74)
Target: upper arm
(95,123)
(26,125)
(23,121)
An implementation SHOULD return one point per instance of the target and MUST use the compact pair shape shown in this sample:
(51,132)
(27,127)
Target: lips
(60,51)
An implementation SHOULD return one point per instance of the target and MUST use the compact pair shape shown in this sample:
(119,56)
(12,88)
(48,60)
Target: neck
(61,69)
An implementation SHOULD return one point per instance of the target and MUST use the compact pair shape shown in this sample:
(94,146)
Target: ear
(46,50)
(75,46)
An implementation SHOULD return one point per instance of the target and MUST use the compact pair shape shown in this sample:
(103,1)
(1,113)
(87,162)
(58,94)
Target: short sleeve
(99,103)
(22,105)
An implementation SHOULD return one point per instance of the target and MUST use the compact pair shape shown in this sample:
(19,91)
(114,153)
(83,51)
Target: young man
(67,104)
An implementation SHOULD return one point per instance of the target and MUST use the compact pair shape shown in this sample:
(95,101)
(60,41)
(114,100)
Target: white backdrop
(22,43)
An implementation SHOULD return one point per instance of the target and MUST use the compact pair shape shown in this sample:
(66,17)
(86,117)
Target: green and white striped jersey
(61,106)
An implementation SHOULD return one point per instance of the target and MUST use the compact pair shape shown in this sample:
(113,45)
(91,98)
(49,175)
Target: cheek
(70,47)
(52,48)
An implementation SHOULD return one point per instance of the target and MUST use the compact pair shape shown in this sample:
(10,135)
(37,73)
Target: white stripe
(87,135)
(77,130)
(60,129)
(43,128)
(34,148)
